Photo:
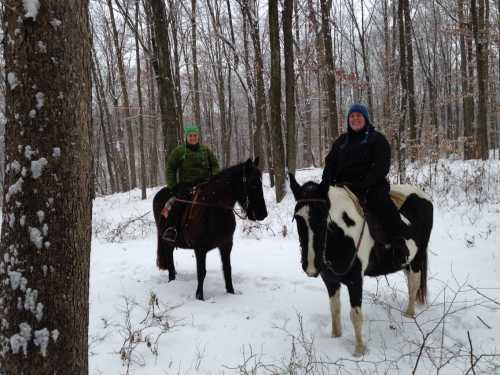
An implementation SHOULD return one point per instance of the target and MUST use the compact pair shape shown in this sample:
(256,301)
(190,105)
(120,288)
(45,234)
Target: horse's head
(311,214)
(251,196)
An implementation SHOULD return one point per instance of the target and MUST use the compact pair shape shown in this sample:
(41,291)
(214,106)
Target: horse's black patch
(349,222)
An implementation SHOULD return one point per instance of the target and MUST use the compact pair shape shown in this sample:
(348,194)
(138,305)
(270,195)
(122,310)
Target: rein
(195,202)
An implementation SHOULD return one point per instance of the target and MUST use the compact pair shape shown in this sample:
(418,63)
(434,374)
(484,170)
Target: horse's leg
(164,252)
(413,279)
(201,270)
(355,288)
(225,256)
(333,288)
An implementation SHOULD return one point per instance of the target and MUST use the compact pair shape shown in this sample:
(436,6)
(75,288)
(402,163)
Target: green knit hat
(191,129)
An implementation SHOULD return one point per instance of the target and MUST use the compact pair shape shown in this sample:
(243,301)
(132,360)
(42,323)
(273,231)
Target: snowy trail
(272,291)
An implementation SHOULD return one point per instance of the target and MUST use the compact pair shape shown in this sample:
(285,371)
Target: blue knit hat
(368,129)
(359,108)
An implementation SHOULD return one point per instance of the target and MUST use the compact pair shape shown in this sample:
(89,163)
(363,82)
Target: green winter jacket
(185,165)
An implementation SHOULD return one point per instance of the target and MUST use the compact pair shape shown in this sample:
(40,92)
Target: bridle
(245,207)
(327,263)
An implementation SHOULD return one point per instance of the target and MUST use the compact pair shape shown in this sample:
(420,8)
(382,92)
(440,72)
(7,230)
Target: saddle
(372,219)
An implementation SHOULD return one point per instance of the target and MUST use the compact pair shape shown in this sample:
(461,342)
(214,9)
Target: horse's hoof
(171,278)
(199,296)
(359,351)
(410,314)
(336,334)
(230,290)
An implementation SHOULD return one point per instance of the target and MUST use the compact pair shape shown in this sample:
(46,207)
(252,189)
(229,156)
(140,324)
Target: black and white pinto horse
(208,220)
(336,244)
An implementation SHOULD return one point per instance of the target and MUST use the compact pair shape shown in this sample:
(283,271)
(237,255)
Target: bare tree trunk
(176,71)
(276,134)
(480,21)
(104,116)
(330,68)
(164,77)
(291,140)
(126,103)
(410,79)
(467,98)
(404,86)
(139,98)
(196,79)
(250,86)
(45,241)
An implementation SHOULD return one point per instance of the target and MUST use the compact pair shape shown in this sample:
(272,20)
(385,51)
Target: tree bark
(291,139)
(141,110)
(126,103)
(330,68)
(45,240)
(480,14)
(276,134)
(164,77)
(196,74)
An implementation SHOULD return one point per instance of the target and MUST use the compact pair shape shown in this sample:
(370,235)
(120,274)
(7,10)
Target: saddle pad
(398,197)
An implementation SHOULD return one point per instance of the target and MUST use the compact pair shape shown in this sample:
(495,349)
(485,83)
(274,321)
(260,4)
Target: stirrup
(169,235)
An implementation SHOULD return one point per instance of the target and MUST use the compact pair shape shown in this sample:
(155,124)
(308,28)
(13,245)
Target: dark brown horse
(208,219)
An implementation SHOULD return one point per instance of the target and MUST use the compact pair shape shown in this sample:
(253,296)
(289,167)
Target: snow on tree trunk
(46,227)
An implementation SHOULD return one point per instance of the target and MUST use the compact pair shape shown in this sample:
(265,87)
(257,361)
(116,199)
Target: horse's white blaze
(343,203)
(311,269)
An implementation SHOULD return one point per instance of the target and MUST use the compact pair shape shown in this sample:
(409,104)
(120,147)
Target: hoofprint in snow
(274,299)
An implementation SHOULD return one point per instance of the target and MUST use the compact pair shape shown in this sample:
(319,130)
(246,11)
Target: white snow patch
(40,99)
(36,237)
(46,244)
(12,220)
(22,220)
(28,152)
(32,113)
(45,270)
(41,216)
(42,340)
(45,230)
(14,189)
(39,311)
(37,167)
(20,340)
(12,79)
(55,335)
(56,152)
(14,166)
(30,300)
(42,47)
(55,23)
(31,7)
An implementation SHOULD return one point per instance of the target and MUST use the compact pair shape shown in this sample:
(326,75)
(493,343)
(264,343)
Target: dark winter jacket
(361,159)
(187,164)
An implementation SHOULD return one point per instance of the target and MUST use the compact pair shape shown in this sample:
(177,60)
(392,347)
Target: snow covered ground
(279,319)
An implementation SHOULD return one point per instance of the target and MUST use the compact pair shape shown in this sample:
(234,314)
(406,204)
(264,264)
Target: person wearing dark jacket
(360,159)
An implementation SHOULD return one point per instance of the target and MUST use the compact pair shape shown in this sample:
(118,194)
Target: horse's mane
(227,173)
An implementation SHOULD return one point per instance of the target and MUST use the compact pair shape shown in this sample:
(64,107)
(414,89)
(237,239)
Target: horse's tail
(159,200)
(426,227)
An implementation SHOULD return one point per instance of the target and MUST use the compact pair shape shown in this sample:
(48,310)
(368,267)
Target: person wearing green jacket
(188,164)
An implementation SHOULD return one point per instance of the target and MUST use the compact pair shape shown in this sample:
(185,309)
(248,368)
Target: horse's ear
(294,185)
(249,163)
(256,161)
